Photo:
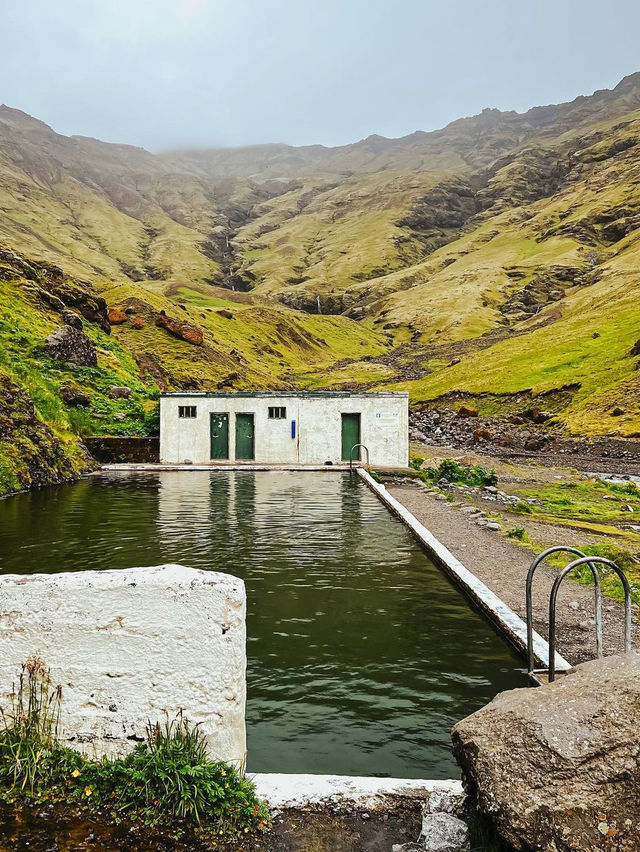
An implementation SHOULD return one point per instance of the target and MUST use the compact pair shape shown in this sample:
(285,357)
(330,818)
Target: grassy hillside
(47,404)
(496,256)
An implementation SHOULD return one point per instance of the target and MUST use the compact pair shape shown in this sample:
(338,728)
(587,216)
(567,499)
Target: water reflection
(361,654)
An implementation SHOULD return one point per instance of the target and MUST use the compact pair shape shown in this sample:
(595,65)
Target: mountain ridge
(492,258)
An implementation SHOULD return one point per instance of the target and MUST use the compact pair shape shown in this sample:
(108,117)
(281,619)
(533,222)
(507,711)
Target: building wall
(384,424)
(127,645)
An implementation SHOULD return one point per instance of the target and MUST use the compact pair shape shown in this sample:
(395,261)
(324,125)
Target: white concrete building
(304,428)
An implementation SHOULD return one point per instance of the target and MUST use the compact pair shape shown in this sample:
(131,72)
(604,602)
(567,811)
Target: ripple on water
(361,654)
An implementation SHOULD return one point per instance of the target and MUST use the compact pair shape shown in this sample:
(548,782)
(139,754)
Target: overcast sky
(167,73)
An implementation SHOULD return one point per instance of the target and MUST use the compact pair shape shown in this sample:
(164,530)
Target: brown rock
(617,411)
(136,322)
(467,411)
(74,397)
(116,316)
(536,415)
(71,346)
(556,767)
(481,434)
(635,349)
(181,329)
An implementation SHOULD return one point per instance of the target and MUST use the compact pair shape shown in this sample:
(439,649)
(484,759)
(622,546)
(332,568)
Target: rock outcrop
(180,328)
(558,768)
(30,454)
(117,316)
(71,346)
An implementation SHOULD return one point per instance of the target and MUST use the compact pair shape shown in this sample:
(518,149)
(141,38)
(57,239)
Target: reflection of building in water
(315,427)
(204,513)
(185,510)
(238,520)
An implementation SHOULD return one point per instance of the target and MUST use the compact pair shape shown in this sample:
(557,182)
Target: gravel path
(503,567)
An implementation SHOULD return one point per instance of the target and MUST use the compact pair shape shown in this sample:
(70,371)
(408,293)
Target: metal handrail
(586,560)
(529,599)
(355,447)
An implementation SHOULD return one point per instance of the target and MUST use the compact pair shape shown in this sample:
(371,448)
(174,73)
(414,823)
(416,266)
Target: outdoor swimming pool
(361,653)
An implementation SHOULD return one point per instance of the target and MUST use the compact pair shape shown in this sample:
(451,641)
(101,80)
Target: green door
(244,436)
(219,435)
(350,436)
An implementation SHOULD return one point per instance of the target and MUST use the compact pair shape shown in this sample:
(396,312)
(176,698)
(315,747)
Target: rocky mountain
(493,261)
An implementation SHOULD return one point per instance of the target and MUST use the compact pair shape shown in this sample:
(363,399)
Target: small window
(186,411)
(277,412)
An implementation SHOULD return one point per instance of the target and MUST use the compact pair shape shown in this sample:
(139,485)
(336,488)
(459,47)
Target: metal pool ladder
(355,447)
(592,562)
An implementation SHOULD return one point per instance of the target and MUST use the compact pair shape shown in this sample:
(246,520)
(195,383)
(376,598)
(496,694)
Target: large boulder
(558,767)
(71,346)
(179,328)
(116,316)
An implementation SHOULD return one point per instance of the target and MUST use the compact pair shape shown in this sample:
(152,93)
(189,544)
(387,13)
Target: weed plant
(455,473)
(168,780)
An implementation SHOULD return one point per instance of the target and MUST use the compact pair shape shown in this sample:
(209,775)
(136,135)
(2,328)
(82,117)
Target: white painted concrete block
(126,646)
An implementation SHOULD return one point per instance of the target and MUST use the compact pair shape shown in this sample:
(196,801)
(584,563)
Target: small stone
(442,802)
(626,508)
(491,489)
(442,832)
(119,392)
(493,525)
(467,411)
(574,605)
(74,397)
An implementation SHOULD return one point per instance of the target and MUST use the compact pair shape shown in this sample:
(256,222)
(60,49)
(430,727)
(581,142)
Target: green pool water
(361,654)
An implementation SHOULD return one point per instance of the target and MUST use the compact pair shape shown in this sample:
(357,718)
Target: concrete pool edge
(282,790)
(494,608)
(224,466)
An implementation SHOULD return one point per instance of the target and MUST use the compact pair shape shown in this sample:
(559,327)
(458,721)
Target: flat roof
(280,394)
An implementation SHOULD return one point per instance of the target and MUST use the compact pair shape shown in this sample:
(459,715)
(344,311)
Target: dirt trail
(503,567)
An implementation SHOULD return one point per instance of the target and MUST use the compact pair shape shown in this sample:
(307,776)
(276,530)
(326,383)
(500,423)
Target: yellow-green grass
(201,300)
(263,345)
(356,373)
(343,231)
(592,501)
(24,325)
(65,221)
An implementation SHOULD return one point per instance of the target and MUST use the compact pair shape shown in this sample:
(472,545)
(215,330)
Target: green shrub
(523,508)
(462,474)
(167,780)
(518,532)
(611,585)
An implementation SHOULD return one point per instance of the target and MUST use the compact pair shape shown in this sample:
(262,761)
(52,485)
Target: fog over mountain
(182,73)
